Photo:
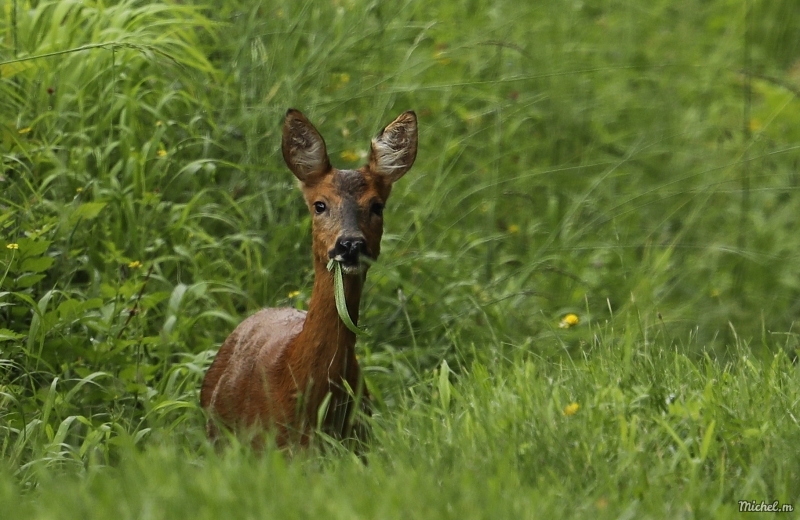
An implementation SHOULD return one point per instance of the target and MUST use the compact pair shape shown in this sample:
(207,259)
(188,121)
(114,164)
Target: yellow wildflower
(441,58)
(78,190)
(161,153)
(135,264)
(571,409)
(513,228)
(340,80)
(294,294)
(349,156)
(12,246)
(568,321)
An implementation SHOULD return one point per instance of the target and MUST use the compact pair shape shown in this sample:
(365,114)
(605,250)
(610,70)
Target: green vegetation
(632,163)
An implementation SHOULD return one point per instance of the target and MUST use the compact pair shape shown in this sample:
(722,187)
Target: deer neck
(326,341)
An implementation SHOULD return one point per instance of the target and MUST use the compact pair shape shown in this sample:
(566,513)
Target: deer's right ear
(303,148)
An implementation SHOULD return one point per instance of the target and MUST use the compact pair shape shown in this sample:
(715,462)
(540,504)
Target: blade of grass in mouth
(341,304)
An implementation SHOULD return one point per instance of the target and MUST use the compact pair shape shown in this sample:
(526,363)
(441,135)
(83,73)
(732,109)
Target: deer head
(347,205)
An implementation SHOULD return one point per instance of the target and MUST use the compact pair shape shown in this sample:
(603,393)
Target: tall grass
(575,157)
(650,434)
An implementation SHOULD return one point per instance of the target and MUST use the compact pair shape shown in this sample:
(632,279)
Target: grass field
(632,163)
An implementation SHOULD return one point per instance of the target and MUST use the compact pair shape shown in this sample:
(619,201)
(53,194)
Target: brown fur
(278,366)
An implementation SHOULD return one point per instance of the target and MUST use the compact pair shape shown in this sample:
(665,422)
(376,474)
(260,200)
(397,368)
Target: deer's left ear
(395,148)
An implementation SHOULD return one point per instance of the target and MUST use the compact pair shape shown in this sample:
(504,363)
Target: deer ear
(303,148)
(395,148)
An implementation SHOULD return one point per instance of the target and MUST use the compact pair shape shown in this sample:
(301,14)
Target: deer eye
(377,208)
(319,207)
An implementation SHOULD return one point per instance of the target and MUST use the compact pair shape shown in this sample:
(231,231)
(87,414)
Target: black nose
(349,248)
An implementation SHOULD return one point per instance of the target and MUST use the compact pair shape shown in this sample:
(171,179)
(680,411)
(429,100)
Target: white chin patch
(350,269)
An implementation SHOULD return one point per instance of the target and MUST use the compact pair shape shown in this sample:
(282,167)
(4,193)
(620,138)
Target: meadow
(588,286)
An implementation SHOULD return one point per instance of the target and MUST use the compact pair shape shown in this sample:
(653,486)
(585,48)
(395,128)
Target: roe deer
(279,365)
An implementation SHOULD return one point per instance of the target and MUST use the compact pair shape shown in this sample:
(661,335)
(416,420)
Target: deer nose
(347,249)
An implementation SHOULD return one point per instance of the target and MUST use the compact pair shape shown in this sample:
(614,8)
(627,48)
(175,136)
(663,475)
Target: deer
(291,371)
